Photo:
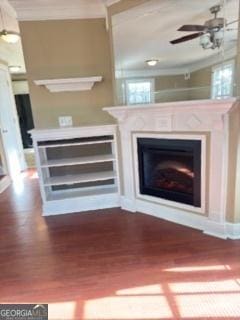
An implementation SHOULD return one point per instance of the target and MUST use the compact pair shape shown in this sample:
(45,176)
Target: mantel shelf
(69,84)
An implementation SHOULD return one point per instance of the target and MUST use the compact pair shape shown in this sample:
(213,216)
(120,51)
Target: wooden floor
(111,264)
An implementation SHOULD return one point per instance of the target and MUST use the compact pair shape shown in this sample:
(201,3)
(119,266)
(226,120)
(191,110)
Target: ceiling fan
(211,33)
(7,35)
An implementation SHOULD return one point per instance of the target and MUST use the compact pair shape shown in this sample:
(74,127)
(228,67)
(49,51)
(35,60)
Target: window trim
(220,66)
(152,88)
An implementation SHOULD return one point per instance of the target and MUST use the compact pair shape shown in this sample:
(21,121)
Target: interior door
(9,127)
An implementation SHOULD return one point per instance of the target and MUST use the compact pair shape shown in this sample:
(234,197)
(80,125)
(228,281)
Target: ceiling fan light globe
(205,41)
(219,35)
(14,69)
(10,36)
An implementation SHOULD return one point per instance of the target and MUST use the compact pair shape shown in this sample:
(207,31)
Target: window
(222,81)
(140,91)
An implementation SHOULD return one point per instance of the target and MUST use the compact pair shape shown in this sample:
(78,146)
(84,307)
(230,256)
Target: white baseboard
(74,205)
(171,214)
(233,230)
(189,219)
(215,229)
(128,204)
(4,183)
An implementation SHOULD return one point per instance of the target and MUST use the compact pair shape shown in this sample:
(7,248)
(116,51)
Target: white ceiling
(144,33)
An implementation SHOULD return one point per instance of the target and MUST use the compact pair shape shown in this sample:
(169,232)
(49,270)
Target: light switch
(65,121)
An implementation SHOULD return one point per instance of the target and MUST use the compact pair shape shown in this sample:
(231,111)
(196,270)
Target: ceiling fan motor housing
(215,9)
(217,23)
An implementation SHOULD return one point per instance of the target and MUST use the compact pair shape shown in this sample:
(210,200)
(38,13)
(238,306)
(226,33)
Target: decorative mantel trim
(69,84)
(217,106)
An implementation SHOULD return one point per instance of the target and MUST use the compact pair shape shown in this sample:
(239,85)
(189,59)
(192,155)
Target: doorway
(10,131)
(25,117)
(26,123)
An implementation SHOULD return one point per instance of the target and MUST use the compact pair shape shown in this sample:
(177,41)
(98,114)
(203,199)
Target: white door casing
(10,131)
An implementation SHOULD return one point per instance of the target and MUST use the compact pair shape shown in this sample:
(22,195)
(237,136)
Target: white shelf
(78,161)
(79,178)
(72,144)
(85,192)
(69,84)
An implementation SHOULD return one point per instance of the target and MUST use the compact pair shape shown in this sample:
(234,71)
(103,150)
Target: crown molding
(143,73)
(8,9)
(53,13)
(30,11)
(109,3)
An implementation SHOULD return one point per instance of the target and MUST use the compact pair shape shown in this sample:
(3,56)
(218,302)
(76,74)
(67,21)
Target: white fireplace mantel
(121,113)
(207,120)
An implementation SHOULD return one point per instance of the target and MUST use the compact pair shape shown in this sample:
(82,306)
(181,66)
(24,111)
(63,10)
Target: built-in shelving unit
(78,168)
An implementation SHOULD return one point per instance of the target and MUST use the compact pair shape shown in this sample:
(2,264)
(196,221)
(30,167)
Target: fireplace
(170,169)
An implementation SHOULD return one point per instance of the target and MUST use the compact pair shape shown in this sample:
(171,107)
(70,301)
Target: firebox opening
(170,169)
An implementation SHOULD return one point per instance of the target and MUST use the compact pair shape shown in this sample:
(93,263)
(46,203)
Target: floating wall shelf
(70,84)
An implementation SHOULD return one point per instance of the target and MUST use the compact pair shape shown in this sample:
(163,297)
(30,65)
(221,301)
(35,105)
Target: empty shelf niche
(76,155)
(74,142)
(81,165)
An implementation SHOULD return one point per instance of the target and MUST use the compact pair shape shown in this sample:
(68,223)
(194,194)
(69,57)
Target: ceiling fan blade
(187,38)
(192,27)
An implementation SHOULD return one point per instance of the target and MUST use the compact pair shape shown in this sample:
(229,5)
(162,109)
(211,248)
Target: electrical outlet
(65,121)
